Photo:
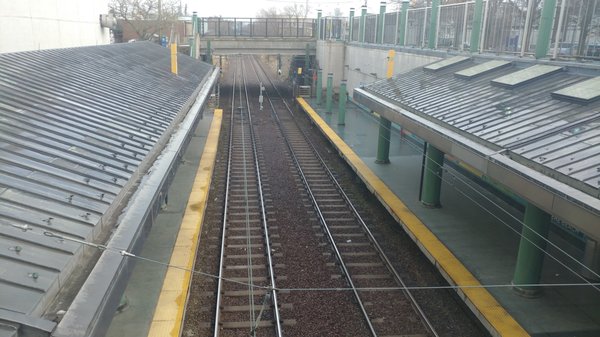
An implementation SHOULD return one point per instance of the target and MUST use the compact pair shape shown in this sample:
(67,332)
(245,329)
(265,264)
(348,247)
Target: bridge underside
(283,46)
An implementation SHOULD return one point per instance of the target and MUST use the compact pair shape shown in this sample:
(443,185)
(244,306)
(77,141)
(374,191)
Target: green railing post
(208,52)
(319,14)
(476,31)
(380,23)
(342,104)
(545,31)
(530,258)
(193,39)
(329,98)
(361,25)
(432,177)
(433,21)
(351,24)
(402,23)
(319,86)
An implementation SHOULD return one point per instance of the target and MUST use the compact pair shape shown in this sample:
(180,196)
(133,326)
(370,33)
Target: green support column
(342,104)
(319,14)
(380,23)
(306,61)
(402,23)
(528,269)
(476,31)
(383,141)
(545,31)
(351,24)
(432,177)
(208,52)
(361,25)
(319,86)
(433,20)
(329,98)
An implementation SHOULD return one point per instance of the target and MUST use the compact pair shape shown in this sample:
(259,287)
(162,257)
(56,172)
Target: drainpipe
(174,58)
(545,31)
(380,23)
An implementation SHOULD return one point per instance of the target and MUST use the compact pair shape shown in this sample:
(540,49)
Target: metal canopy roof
(75,124)
(557,138)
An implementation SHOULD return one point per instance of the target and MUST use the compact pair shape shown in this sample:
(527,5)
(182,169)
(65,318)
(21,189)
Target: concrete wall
(363,64)
(331,56)
(46,24)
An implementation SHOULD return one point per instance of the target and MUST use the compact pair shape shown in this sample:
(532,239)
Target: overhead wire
(126,253)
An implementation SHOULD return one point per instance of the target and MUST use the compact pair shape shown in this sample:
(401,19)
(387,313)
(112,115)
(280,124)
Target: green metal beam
(193,39)
(361,26)
(383,142)
(545,31)
(432,177)
(351,24)
(319,15)
(380,23)
(402,23)
(329,98)
(476,31)
(342,104)
(532,248)
(319,86)
(433,20)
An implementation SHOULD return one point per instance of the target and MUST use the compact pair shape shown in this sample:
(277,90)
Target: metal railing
(258,27)
(505,26)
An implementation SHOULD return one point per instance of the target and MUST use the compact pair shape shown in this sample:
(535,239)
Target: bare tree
(296,11)
(146,17)
(268,13)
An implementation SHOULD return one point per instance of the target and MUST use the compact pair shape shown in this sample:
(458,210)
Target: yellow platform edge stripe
(168,314)
(493,316)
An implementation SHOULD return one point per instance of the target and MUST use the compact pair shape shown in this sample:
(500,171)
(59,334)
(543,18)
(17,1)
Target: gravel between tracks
(301,252)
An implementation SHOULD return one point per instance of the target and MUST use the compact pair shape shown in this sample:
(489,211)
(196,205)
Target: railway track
(362,263)
(293,254)
(246,302)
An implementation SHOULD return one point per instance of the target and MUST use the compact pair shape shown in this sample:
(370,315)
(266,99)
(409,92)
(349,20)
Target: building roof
(75,126)
(522,117)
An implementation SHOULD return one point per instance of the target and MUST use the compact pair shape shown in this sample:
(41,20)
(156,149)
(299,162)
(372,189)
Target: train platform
(472,239)
(154,299)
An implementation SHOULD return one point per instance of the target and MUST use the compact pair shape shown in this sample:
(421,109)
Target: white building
(46,24)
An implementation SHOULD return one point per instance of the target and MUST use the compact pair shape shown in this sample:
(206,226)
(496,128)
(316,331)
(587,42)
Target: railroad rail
(362,262)
(246,297)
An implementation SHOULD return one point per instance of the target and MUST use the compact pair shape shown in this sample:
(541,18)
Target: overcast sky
(248,8)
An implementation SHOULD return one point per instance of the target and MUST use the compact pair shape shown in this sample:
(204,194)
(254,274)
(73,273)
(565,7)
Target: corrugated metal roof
(556,137)
(74,126)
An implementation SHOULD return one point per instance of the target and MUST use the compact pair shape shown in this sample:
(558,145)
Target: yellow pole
(390,65)
(174,58)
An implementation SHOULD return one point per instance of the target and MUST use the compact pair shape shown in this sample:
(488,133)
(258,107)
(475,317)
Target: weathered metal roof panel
(558,137)
(75,124)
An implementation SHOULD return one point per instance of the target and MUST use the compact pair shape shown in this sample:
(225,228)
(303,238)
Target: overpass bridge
(284,36)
